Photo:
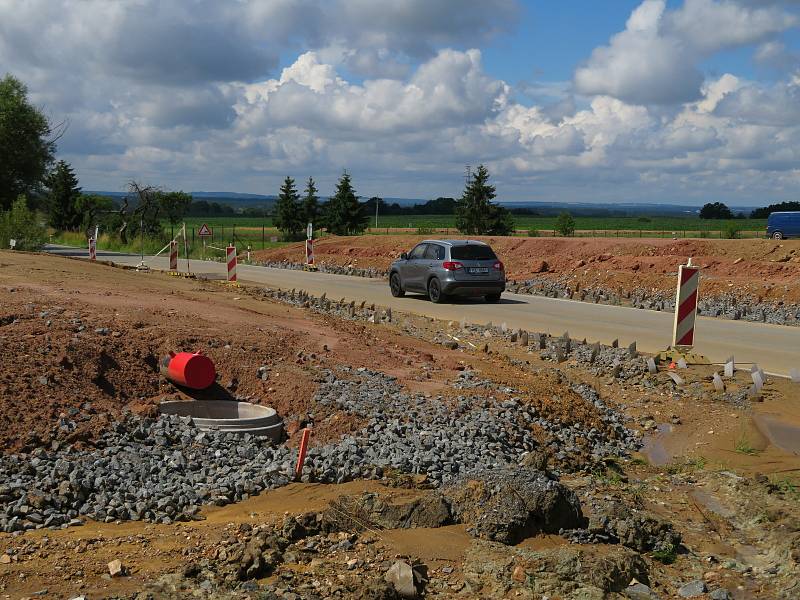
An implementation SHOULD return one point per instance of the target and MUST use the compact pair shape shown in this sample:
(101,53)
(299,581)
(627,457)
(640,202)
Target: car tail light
(498,266)
(450,265)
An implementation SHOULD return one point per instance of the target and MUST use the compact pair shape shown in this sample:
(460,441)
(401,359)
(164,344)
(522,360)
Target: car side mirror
(404,256)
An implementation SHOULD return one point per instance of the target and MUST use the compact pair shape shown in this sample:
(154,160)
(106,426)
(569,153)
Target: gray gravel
(163,470)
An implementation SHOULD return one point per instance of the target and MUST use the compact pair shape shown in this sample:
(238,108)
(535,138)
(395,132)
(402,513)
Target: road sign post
(205,232)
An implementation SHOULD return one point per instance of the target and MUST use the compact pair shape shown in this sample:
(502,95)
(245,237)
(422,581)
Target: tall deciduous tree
(288,212)
(174,205)
(21,224)
(476,214)
(715,210)
(25,150)
(310,202)
(565,224)
(345,215)
(62,198)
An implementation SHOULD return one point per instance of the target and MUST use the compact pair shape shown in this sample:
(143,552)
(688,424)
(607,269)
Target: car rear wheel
(492,298)
(396,286)
(777,235)
(435,291)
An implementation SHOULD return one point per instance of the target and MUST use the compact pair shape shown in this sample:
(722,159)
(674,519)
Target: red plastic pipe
(190,369)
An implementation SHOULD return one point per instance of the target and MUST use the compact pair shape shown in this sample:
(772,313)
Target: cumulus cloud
(655,59)
(211,95)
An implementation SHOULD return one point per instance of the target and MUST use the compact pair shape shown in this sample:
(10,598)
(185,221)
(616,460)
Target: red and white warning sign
(231,254)
(173,255)
(686,305)
(205,231)
(309,252)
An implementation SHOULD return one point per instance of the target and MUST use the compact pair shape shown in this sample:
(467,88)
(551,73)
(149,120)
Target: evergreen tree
(345,215)
(64,194)
(288,212)
(475,212)
(310,202)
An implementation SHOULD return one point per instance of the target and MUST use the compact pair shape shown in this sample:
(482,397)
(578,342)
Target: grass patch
(687,465)
(666,555)
(743,446)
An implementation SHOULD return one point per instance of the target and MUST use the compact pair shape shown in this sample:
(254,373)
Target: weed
(743,446)
(687,465)
(666,554)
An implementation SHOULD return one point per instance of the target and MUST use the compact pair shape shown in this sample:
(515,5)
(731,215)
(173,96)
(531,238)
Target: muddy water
(781,432)
(654,448)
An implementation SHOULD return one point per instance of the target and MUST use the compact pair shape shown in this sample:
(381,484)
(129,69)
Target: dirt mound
(760,268)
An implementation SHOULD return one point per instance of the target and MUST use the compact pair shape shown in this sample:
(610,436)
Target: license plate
(479,270)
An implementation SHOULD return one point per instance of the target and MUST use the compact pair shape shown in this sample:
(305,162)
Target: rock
(519,574)
(508,505)
(540,267)
(5,559)
(450,344)
(401,576)
(116,568)
(720,594)
(639,591)
(355,513)
(692,589)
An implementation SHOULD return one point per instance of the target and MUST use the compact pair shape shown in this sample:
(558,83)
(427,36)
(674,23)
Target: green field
(251,228)
(258,233)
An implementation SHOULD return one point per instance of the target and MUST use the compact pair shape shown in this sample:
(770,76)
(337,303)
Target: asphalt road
(775,348)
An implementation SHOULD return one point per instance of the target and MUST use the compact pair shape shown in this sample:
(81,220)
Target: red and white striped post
(301,453)
(686,306)
(231,254)
(92,249)
(309,252)
(173,255)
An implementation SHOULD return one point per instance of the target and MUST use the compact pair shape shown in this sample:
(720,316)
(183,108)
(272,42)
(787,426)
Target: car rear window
(472,252)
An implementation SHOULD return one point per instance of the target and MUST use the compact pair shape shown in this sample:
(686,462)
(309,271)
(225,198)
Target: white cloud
(655,59)
(398,94)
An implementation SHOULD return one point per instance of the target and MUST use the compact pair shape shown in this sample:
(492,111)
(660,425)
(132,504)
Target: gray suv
(440,268)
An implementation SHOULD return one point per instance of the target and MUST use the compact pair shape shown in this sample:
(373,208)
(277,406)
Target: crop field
(260,230)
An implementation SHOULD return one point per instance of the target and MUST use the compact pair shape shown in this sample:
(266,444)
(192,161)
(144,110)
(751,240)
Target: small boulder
(401,576)
(693,589)
(116,568)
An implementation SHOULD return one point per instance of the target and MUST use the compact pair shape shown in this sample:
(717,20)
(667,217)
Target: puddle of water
(780,433)
(654,449)
(712,503)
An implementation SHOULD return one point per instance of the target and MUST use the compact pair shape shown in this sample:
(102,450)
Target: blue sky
(682,101)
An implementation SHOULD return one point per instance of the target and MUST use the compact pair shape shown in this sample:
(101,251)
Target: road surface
(775,348)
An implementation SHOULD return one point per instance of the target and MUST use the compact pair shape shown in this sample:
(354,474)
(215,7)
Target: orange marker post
(301,456)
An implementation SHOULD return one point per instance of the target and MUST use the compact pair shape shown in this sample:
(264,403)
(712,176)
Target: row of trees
(719,210)
(343,214)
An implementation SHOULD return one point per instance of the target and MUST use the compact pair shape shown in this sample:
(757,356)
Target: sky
(679,101)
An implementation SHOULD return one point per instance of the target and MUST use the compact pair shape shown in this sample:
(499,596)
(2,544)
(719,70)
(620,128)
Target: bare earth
(73,333)
(761,269)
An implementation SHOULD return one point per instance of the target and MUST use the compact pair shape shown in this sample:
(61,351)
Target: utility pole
(377,203)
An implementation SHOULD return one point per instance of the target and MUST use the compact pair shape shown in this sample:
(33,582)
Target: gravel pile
(154,470)
(322,267)
(445,438)
(163,470)
(725,306)
(600,359)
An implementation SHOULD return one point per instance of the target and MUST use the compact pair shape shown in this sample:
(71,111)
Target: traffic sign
(205,231)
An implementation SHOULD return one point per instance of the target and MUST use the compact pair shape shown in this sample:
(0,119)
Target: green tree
(715,210)
(288,212)
(310,202)
(62,198)
(766,211)
(476,214)
(565,224)
(21,224)
(345,215)
(174,205)
(25,150)
(95,210)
